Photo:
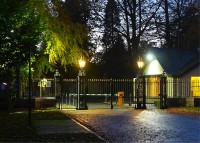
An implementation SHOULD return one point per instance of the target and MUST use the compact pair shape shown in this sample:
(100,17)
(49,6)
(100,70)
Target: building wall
(186,85)
(194,76)
(193,72)
(153,68)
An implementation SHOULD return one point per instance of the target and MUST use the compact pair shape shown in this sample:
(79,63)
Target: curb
(76,121)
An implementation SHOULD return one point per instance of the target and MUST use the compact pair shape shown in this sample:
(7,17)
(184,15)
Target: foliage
(63,29)
(40,30)
(41,66)
(20,30)
(64,36)
(64,48)
(178,24)
(93,70)
(187,32)
(111,24)
(171,24)
(115,61)
(95,23)
(135,19)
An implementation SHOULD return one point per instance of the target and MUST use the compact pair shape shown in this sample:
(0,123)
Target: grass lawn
(188,110)
(14,128)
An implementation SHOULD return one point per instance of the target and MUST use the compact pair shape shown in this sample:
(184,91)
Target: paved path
(59,127)
(139,126)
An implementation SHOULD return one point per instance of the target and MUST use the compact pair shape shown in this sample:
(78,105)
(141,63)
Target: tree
(136,17)
(177,22)
(185,23)
(114,58)
(115,61)
(111,24)
(95,24)
(20,31)
(167,25)
(66,32)
(26,25)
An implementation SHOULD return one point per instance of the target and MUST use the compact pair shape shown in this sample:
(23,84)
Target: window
(195,86)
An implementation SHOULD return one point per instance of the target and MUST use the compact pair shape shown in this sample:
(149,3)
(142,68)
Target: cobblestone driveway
(139,126)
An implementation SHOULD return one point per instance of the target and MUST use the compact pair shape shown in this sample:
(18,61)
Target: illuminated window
(153,88)
(195,86)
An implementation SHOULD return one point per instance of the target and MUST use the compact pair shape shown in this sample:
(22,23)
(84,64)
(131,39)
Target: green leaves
(64,45)
(64,38)
(24,24)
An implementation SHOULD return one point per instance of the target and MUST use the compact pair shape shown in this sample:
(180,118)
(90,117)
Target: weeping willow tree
(63,39)
(65,43)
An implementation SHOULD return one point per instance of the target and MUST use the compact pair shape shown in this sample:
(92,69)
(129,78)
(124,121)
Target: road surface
(139,126)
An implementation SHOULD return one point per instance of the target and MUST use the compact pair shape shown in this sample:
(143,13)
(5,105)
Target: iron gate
(114,93)
(83,93)
(100,93)
(151,92)
(163,92)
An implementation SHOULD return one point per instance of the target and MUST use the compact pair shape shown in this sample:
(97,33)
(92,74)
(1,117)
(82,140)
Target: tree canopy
(58,32)
(144,24)
(66,32)
(20,31)
(115,59)
(49,29)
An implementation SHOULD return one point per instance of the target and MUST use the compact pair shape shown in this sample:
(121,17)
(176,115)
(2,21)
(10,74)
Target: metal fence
(43,88)
(181,88)
(100,91)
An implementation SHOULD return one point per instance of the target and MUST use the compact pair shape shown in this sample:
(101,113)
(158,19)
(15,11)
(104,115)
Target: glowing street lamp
(81,93)
(140,63)
(141,98)
(82,63)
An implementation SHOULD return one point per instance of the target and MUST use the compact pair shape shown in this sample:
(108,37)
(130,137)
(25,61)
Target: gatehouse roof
(176,61)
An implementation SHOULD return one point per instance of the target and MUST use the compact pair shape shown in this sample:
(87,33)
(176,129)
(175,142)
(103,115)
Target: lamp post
(29,89)
(81,91)
(141,97)
(56,80)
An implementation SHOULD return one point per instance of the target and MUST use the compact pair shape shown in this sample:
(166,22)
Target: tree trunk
(18,82)
(167,28)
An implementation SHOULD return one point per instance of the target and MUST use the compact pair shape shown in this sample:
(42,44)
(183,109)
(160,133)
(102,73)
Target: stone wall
(183,102)
(37,103)
(196,102)
(176,102)
(40,103)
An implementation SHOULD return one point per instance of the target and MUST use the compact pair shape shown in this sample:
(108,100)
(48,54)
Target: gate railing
(43,88)
(174,88)
(102,89)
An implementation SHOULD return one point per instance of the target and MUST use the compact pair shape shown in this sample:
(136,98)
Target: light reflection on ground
(129,125)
